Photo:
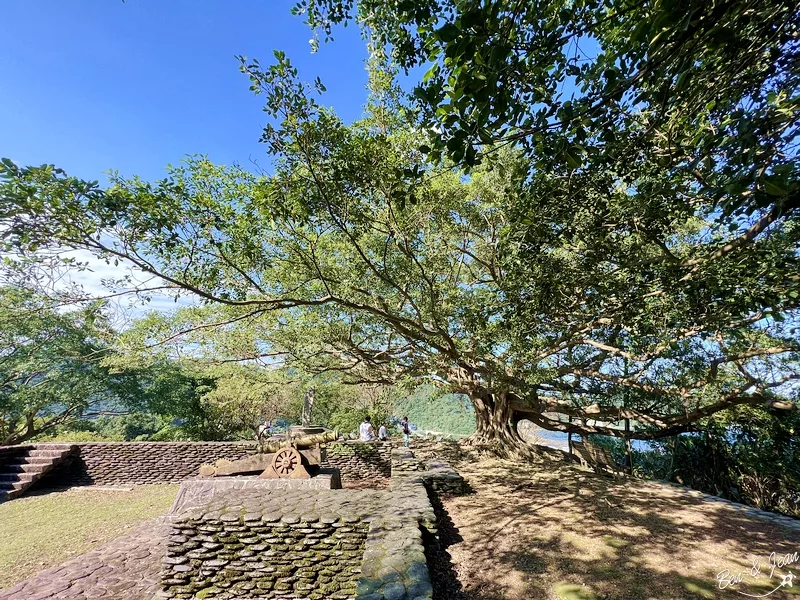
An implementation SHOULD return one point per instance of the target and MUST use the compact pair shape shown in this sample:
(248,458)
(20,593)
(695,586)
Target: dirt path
(557,532)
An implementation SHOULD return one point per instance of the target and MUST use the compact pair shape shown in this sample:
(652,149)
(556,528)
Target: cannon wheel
(286,461)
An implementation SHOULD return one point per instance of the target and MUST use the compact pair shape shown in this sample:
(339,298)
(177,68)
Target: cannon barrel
(303,441)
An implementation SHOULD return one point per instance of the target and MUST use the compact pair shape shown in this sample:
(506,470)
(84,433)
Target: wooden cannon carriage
(296,457)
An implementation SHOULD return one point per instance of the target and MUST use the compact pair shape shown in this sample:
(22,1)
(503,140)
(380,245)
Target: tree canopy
(51,365)
(578,84)
(591,270)
(62,369)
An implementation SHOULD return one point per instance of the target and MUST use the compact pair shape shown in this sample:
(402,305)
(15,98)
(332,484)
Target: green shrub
(75,436)
(352,449)
(429,409)
(117,428)
(747,454)
(341,449)
(348,420)
(171,433)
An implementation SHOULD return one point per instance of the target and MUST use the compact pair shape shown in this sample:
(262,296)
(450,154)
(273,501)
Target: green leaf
(573,157)
(430,73)
(775,186)
(448,33)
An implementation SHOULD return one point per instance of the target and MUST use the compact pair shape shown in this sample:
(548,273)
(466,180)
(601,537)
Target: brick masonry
(230,553)
(114,463)
(333,544)
(361,460)
(117,463)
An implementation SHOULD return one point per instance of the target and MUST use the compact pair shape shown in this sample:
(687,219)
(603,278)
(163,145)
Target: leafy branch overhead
(584,85)
(626,253)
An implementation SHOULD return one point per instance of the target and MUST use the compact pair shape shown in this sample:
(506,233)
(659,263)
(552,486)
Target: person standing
(406,432)
(264,430)
(366,432)
(382,435)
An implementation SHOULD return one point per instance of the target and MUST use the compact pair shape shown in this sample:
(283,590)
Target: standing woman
(406,431)
(366,433)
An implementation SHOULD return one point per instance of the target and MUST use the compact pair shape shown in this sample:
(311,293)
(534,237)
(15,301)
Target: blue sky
(93,85)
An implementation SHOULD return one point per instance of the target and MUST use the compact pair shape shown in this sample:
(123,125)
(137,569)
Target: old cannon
(295,457)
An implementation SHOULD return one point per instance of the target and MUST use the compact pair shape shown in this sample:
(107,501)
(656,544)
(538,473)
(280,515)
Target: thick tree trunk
(495,427)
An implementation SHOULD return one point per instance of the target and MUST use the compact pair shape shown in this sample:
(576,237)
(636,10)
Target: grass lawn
(556,532)
(44,530)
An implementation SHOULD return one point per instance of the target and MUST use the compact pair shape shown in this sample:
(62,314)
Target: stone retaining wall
(438,476)
(117,463)
(114,463)
(231,554)
(360,460)
(303,544)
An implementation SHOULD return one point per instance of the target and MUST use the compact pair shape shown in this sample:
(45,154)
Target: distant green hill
(428,409)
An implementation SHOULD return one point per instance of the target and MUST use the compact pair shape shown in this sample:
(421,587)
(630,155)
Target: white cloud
(101,279)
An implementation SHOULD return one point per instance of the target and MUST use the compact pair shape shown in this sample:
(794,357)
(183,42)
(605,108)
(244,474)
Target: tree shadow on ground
(554,531)
(446,585)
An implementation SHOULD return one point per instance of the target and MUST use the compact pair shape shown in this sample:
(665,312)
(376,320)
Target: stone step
(54,445)
(42,452)
(22,472)
(32,460)
(21,477)
(26,467)
(15,493)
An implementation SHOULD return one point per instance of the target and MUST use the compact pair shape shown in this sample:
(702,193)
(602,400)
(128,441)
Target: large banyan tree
(646,269)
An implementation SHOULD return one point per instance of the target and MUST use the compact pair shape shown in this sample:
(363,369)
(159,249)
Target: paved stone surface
(127,567)
(351,505)
(197,492)
(391,524)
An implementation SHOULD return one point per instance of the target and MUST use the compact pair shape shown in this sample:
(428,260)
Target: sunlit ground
(41,531)
(558,532)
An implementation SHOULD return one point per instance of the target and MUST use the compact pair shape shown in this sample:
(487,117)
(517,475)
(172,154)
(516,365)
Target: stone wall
(117,463)
(438,476)
(443,479)
(360,460)
(303,544)
(404,462)
(227,553)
